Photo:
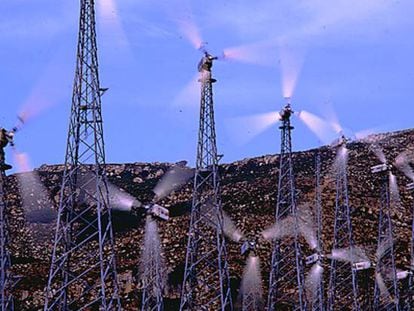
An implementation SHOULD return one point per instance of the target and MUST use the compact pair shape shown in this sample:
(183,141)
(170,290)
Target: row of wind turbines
(152,266)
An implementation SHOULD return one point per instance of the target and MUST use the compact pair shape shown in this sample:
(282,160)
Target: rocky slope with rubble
(249,190)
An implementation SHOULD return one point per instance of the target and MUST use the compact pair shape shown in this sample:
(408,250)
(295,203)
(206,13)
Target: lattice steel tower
(286,281)
(318,299)
(82,273)
(152,269)
(386,292)
(409,303)
(206,284)
(343,289)
(6,299)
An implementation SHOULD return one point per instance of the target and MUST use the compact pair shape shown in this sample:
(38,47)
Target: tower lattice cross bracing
(83,273)
(6,280)
(206,284)
(386,292)
(343,287)
(286,282)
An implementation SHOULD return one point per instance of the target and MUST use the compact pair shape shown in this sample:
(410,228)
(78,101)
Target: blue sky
(352,57)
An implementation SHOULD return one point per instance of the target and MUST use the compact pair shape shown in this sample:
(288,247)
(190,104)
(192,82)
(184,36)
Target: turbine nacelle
(173,179)
(314,258)
(340,141)
(403,274)
(157,211)
(206,63)
(380,168)
(10,136)
(362,265)
(410,186)
(7,137)
(287,111)
(248,248)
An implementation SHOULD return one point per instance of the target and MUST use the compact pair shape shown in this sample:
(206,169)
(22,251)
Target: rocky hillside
(249,190)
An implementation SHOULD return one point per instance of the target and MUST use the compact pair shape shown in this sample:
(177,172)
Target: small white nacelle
(159,212)
(363,265)
(312,259)
(402,274)
(247,246)
(379,168)
(410,186)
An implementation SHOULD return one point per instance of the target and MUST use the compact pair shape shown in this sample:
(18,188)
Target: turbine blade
(36,203)
(48,91)
(382,248)
(22,161)
(111,20)
(332,118)
(351,255)
(174,179)
(307,225)
(291,63)
(181,13)
(189,96)
(119,199)
(364,134)
(191,32)
(281,229)
(382,287)
(341,254)
(395,198)
(244,129)
(313,280)
(359,254)
(152,257)
(379,153)
(402,162)
(251,285)
(341,160)
(321,128)
(230,229)
(259,53)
